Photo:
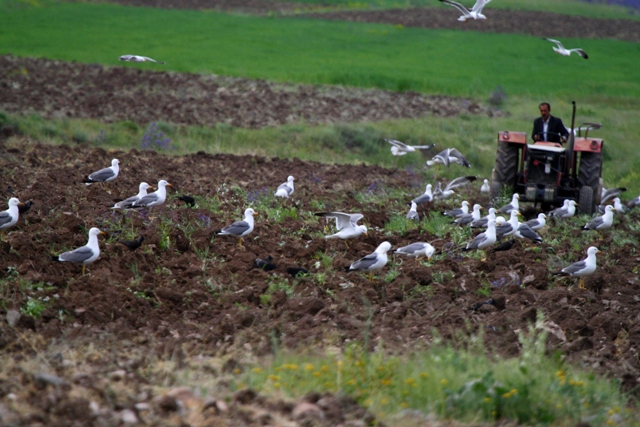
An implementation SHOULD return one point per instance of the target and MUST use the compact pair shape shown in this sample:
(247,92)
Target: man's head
(545,110)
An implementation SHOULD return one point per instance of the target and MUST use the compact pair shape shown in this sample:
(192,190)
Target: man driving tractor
(548,127)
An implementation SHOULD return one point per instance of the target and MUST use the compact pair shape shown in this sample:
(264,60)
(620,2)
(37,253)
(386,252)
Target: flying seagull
(9,217)
(610,193)
(285,189)
(440,193)
(566,52)
(153,199)
(581,268)
(474,13)
(240,228)
(347,225)
(372,262)
(128,203)
(601,222)
(104,175)
(83,255)
(448,156)
(138,58)
(400,148)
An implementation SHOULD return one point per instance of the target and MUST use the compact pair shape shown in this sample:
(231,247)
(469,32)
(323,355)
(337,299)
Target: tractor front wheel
(586,200)
(506,168)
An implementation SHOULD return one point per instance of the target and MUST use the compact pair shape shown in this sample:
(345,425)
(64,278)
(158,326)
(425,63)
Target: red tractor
(548,173)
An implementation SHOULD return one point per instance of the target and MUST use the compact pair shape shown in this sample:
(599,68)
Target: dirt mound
(59,89)
(187,285)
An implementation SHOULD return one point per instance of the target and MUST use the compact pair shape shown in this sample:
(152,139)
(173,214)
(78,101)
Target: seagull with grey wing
(413,212)
(603,221)
(537,223)
(372,262)
(448,156)
(138,58)
(469,14)
(285,189)
(400,148)
(153,199)
(610,193)
(104,175)
(482,222)
(83,255)
(427,196)
(634,202)
(240,228)
(441,193)
(561,50)
(415,250)
(510,227)
(347,225)
(9,218)
(581,268)
(514,205)
(567,210)
(128,203)
(468,218)
(462,210)
(483,240)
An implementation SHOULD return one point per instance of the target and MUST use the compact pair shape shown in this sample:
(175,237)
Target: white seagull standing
(537,223)
(83,255)
(470,217)
(566,52)
(454,213)
(128,203)
(413,212)
(241,228)
(427,196)
(474,13)
(285,189)
(482,222)
(601,222)
(104,175)
(484,240)
(485,187)
(400,148)
(514,205)
(9,217)
(510,227)
(634,202)
(581,268)
(372,262)
(138,58)
(566,211)
(153,199)
(347,225)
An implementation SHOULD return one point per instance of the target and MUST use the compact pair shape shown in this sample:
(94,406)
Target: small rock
(12,317)
(128,416)
(117,375)
(245,396)
(142,406)
(306,409)
(42,380)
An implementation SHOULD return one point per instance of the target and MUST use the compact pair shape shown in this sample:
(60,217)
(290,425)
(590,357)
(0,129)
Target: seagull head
(249,213)
(14,202)
(94,232)
(592,250)
(115,163)
(383,248)
(162,183)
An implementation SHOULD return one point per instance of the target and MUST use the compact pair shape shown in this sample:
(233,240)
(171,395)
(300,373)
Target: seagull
(133,244)
(417,249)
(601,222)
(617,204)
(581,268)
(400,148)
(633,203)
(566,211)
(448,189)
(526,232)
(514,205)
(240,228)
(347,225)
(128,203)
(484,240)
(482,222)
(537,223)
(566,52)
(153,199)
(510,227)
(138,58)
(610,193)
(413,212)
(9,217)
(474,13)
(469,217)
(448,156)
(463,210)
(427,196)
(485,187)
(285,189)
(104,175)
(85,254)
(373,261)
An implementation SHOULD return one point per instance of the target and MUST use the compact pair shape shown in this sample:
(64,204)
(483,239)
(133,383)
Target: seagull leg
(84,267)
(239,241)
(581,284)
(346,244)
(2,236)
(370,276)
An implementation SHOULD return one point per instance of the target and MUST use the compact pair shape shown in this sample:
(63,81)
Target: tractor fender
(588,145)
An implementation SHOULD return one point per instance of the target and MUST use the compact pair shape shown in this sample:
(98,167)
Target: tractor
(549,173)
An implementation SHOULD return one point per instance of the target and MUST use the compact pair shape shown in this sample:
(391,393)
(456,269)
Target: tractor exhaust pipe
(571,141)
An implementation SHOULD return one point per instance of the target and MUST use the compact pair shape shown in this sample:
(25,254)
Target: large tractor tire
(589,176)
(506,168)
(586,201)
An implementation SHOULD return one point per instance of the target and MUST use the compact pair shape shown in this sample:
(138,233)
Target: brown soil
(159,300)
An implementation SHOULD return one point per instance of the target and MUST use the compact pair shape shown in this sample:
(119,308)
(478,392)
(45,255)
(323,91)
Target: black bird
(294,271)
(265,264)
(477,305)
(504,246)
(190,201)
(25,207)
(10,190)
(133,244)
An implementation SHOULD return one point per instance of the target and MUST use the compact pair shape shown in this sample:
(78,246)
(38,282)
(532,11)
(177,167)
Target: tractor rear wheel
(589,175)
(506,168)
(586,200)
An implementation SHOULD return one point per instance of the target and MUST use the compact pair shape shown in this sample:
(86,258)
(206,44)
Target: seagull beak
(102,233)
(151,188)
(256,214)
(169,185)
(20,204)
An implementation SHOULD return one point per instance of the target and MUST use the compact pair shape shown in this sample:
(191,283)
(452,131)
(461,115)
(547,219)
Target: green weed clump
(463,383)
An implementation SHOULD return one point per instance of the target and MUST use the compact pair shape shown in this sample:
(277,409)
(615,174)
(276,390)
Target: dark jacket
(555,127)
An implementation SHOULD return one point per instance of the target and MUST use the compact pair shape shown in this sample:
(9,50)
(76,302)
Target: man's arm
(535,134)
(561,129)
